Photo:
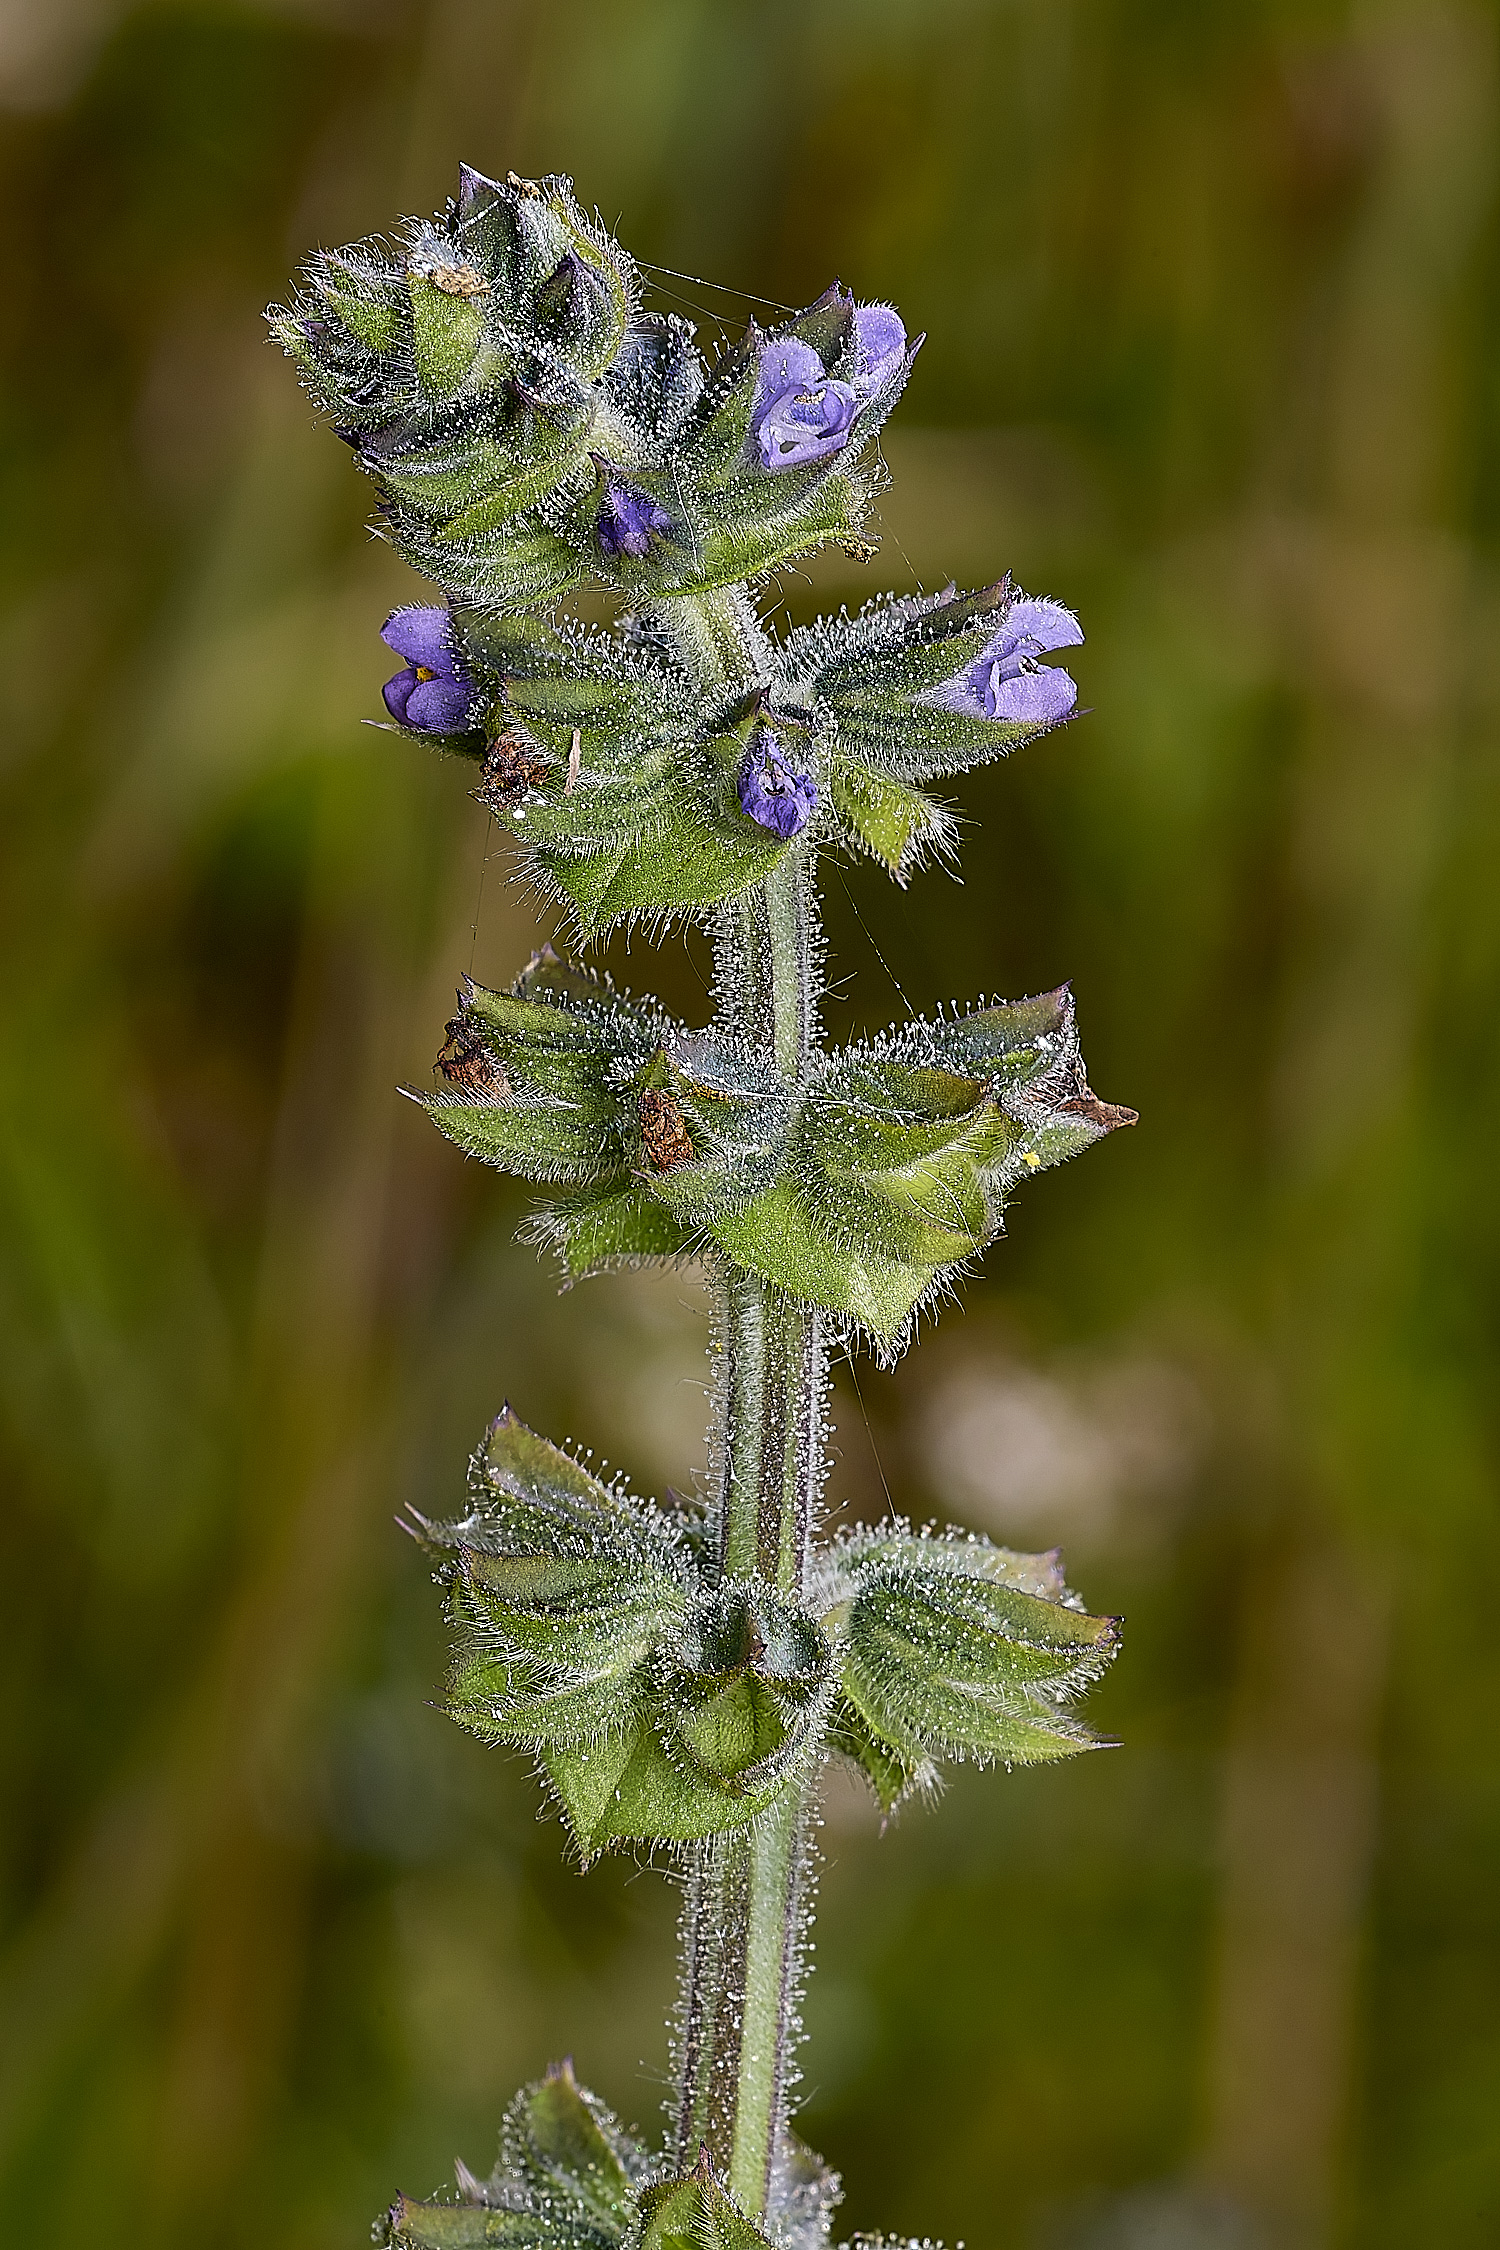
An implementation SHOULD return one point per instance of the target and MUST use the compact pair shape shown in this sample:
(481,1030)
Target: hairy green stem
(747,1895)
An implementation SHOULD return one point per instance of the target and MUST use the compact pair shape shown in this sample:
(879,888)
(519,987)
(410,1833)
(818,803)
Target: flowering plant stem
(680,1674)
(747,1893)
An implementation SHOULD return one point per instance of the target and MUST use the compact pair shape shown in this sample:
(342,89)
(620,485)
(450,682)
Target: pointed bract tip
(705,2166)
(561,2074)
(1108,1116)
(472,183)
(470,2187)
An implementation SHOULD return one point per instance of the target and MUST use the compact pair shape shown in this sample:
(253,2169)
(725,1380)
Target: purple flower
(1007,682)
(800,412)
(432,693)
(798,415)
(882,340)
(628,521)
(771,792)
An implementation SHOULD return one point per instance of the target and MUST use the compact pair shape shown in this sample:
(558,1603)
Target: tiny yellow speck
(1029,1156)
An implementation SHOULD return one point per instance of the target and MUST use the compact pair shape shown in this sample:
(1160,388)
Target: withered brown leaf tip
(663,1129)
(512,765)
(466,1061)
(1109,1116)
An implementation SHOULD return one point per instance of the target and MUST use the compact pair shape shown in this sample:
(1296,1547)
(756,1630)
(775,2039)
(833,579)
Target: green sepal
(553,1649)
(872,678)
(694,2213)
(889,819)
(463,366)
(782,1236)
(735,1716)
(561,2140)
(632,804)
(908,1158)
(898,1164)
(751,1686)
(892,1776)
(730,517)
(445,333)
(413,2225)
(605,1227)
(567,2178)
(514,562)
(468,486)
(535,1084)
(627,1787)
(688,850)
(658,1708)
(862,1192)
(949,1647)
(366,305)
(527,1497)
(623,1788)
(634,710)
(658,831)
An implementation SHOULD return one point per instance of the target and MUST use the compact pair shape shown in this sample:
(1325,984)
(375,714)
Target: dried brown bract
(663,1129)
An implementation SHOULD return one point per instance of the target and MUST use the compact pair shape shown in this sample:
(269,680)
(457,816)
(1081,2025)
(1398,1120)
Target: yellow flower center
(423,673)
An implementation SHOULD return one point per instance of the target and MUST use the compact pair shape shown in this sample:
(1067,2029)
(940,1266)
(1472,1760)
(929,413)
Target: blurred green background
(1213,294)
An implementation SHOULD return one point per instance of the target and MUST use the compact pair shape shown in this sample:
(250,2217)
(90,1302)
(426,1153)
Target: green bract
(619,780)
(668,1700)
(861,1189)
(494,372)
(567,2178)
(952,1648)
